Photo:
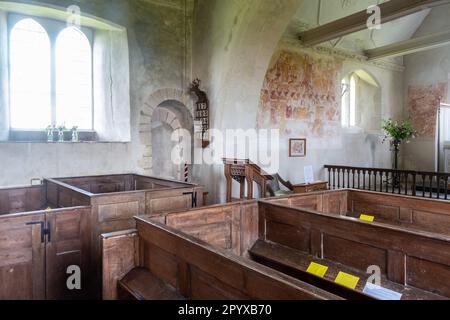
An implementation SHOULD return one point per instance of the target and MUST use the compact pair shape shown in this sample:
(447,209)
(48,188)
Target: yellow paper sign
(347,280)
(367,218)
(317,269)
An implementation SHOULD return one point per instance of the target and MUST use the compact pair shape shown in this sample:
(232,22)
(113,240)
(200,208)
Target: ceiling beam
(414,45)
(391,10)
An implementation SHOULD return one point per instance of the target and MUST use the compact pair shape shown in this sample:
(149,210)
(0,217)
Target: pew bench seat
(141,284)
(295,263)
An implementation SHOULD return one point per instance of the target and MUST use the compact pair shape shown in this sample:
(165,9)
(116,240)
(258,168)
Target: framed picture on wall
(297,148)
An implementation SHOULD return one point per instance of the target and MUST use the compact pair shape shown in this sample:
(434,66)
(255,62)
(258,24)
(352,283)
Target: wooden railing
(402,182)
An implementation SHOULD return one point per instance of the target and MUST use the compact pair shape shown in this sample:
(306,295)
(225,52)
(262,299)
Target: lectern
(244,171)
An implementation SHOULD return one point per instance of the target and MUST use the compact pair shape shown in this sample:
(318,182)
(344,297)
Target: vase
(74,136)
(49,136)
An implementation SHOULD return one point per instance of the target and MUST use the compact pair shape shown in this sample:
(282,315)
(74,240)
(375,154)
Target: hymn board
(201,113)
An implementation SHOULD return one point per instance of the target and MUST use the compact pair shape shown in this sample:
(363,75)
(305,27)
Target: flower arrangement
(61,129)
(74,134)
(50,130)
(398,132)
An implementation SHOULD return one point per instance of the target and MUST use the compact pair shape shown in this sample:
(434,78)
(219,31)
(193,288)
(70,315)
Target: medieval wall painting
(423,103)
(300,96)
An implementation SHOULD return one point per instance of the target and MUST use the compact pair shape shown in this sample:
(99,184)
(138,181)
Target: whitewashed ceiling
(318,12)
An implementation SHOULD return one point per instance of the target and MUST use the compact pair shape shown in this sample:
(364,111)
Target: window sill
(40,136)
(352,130)
(62,143)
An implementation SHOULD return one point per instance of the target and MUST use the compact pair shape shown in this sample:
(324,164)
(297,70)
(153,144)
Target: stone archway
(157,109)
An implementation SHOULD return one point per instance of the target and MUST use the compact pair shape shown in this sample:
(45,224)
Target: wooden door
(67,245)
(22,257)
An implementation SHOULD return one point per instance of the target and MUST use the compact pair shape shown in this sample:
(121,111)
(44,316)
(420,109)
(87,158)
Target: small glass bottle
(49,134)
(75,134)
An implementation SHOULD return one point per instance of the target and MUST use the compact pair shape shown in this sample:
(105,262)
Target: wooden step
(141,284)
(295,264)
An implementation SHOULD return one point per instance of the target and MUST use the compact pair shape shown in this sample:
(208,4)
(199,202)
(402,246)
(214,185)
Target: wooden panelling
(22,258)
(60,196)
(428,275)
(69,245)
(117,211)
(213,273)
(335,202)
(422,214)
(353,253)
(168,200)
(358,245)
(409,212)
(210,225)
(378,210)
(140,284)
(310,202)
(17,200)
(431,221)
(204,285)
(249,226)
(289,235)
(120,253)
(296,264)
(117,199)
(231,227)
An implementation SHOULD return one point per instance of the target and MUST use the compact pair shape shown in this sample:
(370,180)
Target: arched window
(349,101)
(361,101)
(73,79)
(30,76)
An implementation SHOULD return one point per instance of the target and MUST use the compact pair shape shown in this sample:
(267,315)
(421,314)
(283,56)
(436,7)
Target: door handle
(44,231)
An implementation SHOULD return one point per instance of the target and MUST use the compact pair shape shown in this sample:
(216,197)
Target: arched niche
(169,117)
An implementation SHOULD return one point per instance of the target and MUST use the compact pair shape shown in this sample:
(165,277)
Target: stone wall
(426,83)
(301,96)
(159,49)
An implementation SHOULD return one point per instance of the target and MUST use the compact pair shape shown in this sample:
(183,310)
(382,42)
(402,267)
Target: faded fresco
(423,103)
(300,96)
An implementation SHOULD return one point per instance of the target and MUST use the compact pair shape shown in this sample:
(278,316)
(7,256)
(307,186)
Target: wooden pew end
(141,284)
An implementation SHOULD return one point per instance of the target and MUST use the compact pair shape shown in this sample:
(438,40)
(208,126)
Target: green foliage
(398,132)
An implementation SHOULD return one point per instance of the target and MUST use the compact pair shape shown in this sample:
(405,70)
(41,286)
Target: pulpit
(245,172)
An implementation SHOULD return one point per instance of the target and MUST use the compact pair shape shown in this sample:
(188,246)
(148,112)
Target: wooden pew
(232,227)
(116,199)
(33,264)
(195,269)
(22,199)
(417,261)
(409,212)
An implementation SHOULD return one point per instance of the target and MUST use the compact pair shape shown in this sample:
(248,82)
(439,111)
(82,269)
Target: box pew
(117,199)
(408,212)
(232,227)
(33,263)
(412,212)
(414,263)
(188,268)
(334,202)
(22,199)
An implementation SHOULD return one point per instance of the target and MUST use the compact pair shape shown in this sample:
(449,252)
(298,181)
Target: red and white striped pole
(186,172)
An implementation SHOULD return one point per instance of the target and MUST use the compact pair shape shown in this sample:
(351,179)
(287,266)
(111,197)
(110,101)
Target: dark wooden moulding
(207,253)
(33,266)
